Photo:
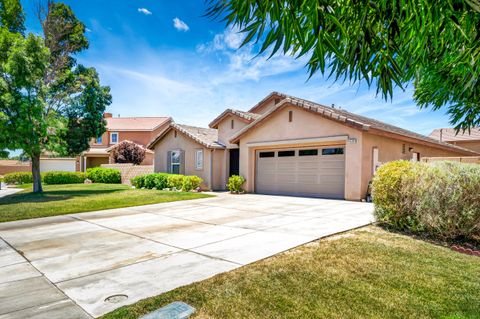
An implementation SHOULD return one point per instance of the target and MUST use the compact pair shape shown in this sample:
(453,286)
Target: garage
(313,171)
(58,164)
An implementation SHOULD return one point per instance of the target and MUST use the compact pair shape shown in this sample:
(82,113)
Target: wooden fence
(463,159)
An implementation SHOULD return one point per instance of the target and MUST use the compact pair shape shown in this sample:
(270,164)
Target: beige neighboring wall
(391,149)
(169,143)
(471,145)
(304,125)
(225,131)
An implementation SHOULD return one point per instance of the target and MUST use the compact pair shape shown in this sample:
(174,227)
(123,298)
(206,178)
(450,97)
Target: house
(470,140)
(140,130)
(290,146)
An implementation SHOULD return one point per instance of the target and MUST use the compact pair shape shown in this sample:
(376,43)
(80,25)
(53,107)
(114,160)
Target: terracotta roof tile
(248,116)
(135,123)
(207,137)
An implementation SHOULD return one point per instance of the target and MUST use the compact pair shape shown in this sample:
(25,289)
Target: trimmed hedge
(18,178)
(58,177)
(441,199)
(165,180)
(235,183)
(104,175)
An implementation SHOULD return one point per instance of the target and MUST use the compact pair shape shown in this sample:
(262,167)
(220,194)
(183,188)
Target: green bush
(191,182)
(18,178)
(138,181)
(156,180)
(440,199)
(175,181)
(55,178)
(104,175)
(235,183)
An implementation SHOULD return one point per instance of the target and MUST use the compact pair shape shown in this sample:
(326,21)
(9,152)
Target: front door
(234,162)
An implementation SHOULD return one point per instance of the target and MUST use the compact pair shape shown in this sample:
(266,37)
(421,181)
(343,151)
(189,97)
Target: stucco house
(140,130)
(468,139)
(290,146)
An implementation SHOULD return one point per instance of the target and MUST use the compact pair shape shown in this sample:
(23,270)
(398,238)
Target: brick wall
(129,171)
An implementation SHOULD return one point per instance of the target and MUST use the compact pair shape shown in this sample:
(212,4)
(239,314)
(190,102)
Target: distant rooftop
(449,135)
(135,123)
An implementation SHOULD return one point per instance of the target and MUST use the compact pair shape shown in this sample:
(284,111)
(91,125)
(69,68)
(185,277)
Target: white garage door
(315,171)
(56,164)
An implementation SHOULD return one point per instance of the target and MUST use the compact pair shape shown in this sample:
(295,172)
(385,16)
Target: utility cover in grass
(175,310)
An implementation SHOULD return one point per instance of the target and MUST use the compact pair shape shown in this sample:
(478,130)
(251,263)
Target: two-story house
(140,130)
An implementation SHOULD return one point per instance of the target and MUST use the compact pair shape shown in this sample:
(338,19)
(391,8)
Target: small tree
(127,152)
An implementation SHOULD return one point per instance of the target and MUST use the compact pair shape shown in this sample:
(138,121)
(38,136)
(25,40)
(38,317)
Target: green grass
(365,273)
(77,198)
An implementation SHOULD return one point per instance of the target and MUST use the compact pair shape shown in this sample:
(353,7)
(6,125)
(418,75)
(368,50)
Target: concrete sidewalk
(5,191)
(79,261)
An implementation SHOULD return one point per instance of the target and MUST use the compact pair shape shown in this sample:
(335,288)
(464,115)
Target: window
(332,151)
(199,159)
(232,124)
(403,148)
(175,162)
(290,116)
(266,154)
(308,152)
(286,153)
(99,140)
(415,157)
(113,138)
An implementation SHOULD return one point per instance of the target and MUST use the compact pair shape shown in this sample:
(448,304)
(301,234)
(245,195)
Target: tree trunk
(37,179)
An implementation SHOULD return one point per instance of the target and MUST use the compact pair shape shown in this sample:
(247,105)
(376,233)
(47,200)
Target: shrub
(156,180)
(127,152)
(175,181)
(191,182)
(439,199)
(18,178)
(235,183)
(138,181)
(55,178)
(104,175)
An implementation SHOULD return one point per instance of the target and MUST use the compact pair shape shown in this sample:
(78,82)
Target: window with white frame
(114,138)
(199,159)
(175,162)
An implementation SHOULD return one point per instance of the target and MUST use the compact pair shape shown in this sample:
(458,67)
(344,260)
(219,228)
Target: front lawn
(77,198)
(365,273)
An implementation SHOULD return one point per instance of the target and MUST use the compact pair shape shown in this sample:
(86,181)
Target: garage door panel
(315,175)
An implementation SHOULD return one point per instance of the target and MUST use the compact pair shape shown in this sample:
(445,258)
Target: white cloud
(180,25)
(88,30)
(144,11)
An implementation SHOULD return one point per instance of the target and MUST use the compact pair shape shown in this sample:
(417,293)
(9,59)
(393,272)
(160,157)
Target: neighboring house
(290,146)
(139,130)
(470,140)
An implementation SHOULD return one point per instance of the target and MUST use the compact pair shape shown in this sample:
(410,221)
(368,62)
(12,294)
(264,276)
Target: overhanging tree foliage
(434,44)
(127,152)
(48,102)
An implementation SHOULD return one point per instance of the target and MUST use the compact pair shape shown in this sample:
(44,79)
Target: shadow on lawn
(53,195)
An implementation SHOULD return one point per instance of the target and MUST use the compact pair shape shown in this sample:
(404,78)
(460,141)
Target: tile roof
(135,123)
(343,116)
(449,135)
(248,116)
(110,148)
(207,137)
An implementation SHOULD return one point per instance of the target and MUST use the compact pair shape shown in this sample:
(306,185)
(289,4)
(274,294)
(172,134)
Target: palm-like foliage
(435,44)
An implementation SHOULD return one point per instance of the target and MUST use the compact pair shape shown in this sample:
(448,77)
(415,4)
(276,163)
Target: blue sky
(162,58)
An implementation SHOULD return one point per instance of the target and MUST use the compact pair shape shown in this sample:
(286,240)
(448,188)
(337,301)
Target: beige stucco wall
(391,149)
(471,145)
(225,131)
(304,125)
(169,143)
(267,105)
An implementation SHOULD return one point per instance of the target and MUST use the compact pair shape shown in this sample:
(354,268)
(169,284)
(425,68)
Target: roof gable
(242,115)
(207,137)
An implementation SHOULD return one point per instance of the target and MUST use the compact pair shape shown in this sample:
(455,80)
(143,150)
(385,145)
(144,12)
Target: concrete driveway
(69,266)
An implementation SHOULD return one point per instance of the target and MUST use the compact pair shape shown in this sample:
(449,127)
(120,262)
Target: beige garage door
(315,171)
